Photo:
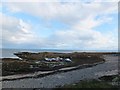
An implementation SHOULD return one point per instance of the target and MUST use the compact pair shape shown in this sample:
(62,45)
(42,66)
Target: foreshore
(44,73)
(84,60)
(109,67)
(29,62)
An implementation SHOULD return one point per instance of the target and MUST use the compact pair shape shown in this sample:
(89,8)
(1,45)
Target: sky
(59,24)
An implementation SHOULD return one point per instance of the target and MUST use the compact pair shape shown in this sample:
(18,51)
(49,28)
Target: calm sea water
(7,53)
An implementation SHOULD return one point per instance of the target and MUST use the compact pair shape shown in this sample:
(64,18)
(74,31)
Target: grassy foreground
(111,82)
(90,84)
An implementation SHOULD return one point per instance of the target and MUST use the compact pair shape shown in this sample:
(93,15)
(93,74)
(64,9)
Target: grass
(90,84)
(110,78)
(104,82)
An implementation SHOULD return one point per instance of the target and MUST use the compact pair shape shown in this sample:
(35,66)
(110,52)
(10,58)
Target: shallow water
(9,53)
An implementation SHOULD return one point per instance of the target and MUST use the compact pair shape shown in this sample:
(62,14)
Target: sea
(9,53)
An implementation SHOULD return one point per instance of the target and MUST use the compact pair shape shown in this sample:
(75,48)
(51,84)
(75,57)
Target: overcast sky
(57,24)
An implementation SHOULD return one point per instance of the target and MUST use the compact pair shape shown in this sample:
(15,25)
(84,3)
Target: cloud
(16,33)
(82,19)
(60,1)
(15,30)
(69,12)
(91,22)
(25,28)
(83,39)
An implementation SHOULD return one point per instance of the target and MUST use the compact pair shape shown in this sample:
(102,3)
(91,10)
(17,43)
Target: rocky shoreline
(16,65)
(45,73)
(35,62)
(109,67)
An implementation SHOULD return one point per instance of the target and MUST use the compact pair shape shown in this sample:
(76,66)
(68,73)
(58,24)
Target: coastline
(29,62)
(66,78)
(45,73)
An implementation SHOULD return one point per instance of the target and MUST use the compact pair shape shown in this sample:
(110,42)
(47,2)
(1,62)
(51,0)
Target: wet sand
(110,67)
